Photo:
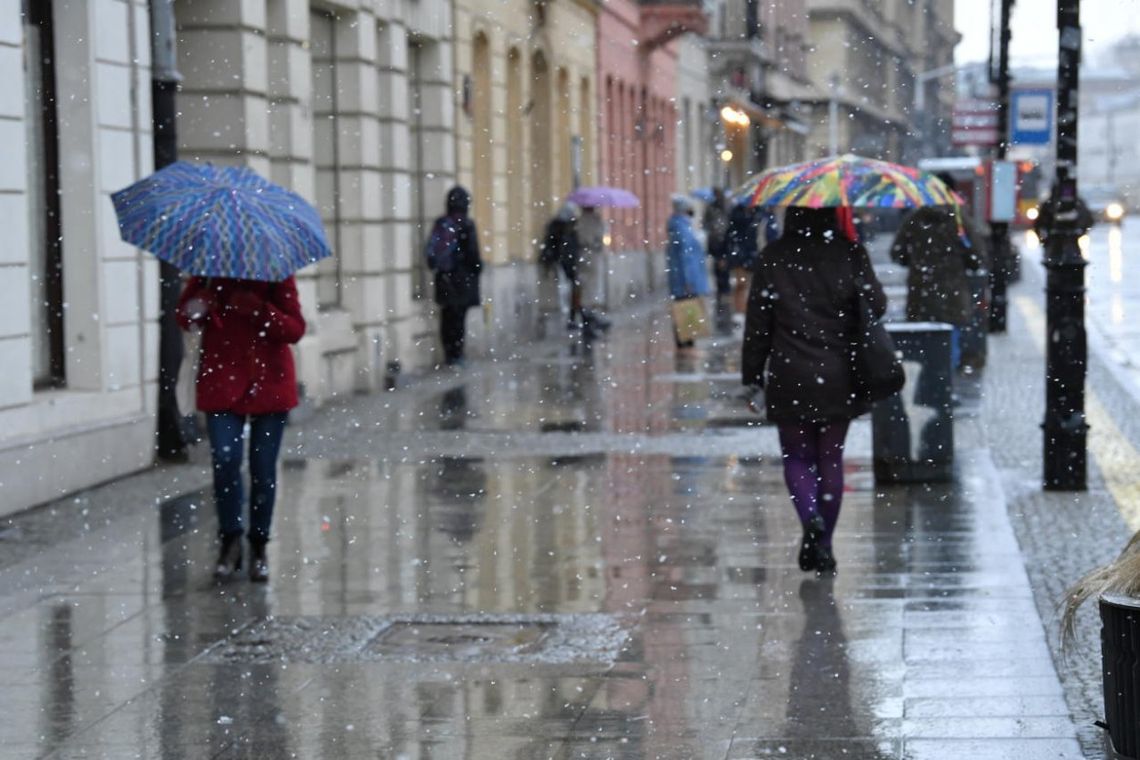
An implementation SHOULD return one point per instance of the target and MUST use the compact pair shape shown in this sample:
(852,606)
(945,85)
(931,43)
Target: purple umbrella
(614,197)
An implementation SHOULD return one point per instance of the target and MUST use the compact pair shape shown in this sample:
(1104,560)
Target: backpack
(551,251)
(442,248)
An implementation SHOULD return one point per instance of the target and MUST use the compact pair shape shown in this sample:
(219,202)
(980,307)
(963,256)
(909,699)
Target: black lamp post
(170,443)
(1000,251)
(1066,347)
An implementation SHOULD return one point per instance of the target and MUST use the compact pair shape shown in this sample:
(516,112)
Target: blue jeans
(227,442)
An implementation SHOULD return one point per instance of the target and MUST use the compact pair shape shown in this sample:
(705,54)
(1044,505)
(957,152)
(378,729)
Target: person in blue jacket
(688,270)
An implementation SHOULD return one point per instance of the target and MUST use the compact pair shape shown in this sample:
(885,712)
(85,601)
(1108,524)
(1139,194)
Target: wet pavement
(577,552)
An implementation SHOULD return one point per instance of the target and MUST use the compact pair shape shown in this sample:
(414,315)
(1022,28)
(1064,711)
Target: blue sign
(1032,117)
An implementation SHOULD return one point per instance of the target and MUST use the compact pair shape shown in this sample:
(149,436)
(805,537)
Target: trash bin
(1120,659)
(912,432)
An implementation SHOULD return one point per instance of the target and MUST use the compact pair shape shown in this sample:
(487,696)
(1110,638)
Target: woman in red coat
(246,374)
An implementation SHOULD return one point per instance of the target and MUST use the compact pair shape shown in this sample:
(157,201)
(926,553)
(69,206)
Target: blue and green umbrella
(221,221)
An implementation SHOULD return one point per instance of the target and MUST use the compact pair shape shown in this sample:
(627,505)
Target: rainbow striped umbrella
(846,180)
(221,221)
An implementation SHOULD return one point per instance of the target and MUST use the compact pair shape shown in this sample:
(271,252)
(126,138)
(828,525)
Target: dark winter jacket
(715,223)
(929,244)
(742,244)
(460,287)
(561,246)
(246,362)
(801,320)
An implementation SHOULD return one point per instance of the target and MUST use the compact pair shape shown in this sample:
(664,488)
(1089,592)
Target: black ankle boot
(258,563)
(825,561)
(809,547)
(229,557)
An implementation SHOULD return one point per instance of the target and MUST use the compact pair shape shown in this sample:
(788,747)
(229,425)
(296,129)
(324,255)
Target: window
(45,262)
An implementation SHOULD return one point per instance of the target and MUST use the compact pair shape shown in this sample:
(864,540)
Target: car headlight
(1114,211)
(1032,213)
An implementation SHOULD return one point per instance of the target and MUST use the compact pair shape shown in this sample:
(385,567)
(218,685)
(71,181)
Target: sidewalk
(568,553)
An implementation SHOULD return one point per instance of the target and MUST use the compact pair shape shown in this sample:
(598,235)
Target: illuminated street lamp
(734,116)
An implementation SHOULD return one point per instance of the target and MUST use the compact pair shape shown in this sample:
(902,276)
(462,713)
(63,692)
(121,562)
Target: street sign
(1003,191)
(1032,117)
(975,122)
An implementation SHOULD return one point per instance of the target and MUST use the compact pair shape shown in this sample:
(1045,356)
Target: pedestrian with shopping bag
(809,290)
(452,253)
(688,275)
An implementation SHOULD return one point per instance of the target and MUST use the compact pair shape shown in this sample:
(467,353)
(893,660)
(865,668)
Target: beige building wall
(349,103)
(697,132)
(525,77)
(89,418)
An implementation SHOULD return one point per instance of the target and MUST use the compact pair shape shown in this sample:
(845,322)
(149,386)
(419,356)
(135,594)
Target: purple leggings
(813,470)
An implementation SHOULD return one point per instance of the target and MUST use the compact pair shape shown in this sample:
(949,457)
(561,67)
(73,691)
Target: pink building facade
(637,110)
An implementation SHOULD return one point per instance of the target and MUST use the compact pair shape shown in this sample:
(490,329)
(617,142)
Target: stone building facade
(869,57)
(638,116)
(350,103)
(698,163)
(78,320)
(525,132)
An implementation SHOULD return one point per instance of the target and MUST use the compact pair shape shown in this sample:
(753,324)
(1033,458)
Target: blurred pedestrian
(245,376)
(745,224)
(937,258)
(688,271)
(453,255)
(592,235)
(1044,221)
(561,250)
(801,322)
(715,222)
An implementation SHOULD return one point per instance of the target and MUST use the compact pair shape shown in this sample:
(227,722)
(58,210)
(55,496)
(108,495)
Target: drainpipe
(169,439)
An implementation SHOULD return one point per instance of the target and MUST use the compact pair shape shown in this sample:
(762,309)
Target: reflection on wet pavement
(926,645)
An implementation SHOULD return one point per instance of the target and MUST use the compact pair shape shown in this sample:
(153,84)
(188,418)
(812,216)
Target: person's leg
(800,447)
(575,300)
(451,331)
(265,433)
(829,494)
(743,280)
(955,347)
(801,454)
(225,431)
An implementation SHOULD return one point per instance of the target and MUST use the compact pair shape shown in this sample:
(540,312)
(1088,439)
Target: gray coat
(928,244)
(801,321)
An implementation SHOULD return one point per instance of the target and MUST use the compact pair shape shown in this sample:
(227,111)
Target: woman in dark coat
(245,374)
(937,290)
(457,289)
(797,347)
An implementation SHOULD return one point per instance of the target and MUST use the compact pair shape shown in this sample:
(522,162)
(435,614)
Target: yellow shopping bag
(690,320)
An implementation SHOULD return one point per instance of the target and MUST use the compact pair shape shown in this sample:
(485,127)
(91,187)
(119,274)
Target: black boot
(229,557)
(809,547)
(259,562)
(825,561)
